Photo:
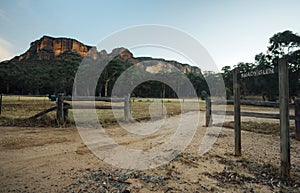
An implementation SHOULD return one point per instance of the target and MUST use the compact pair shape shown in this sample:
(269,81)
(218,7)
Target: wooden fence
(283,115)
(62,107)
(237,122)
(209,110)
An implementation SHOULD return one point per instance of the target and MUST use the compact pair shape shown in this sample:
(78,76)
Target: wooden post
(162,100)
(284,119)
(297,118)
(126,107)
(237,112)
(66,110)
(60,109)
(208,119)
(0,103)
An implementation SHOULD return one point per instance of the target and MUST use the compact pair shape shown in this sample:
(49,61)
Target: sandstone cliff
(152,65)
(49,48)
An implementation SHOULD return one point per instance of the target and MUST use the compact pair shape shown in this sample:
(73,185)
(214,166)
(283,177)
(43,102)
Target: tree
(287,45)
(110,75)
(284,43)
(198,82)
(228,80)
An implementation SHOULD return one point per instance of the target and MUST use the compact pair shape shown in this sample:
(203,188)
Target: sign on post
(258,72)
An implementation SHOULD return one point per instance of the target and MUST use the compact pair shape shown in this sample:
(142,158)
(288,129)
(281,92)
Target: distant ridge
(52,49)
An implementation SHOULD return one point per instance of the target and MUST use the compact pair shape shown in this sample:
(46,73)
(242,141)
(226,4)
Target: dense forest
(42,77)
(51,77)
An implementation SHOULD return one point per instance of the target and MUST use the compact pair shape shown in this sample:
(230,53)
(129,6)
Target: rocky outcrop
(152,65)
(49,48)
(155,65)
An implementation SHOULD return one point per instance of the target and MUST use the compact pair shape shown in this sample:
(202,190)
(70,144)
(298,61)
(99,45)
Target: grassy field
(17,109)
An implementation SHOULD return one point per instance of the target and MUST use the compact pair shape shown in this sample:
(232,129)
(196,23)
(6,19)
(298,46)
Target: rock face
(49,48)
(154,65)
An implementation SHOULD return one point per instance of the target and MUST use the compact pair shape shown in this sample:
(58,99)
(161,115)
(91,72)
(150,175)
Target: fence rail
(252,114)
(209,110)
(92,107)
(283,105)
(251,102)
(62,107)
(89,98)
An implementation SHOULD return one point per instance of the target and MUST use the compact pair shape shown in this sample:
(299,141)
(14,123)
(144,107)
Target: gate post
(237,111)
(60,109)
(284,118)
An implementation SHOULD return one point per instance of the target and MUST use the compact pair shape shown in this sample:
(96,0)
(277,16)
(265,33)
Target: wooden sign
(258,73)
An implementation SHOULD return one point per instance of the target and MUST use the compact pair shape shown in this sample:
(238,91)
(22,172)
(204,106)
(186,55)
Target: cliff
(152,65)
(156,65)
(49,48)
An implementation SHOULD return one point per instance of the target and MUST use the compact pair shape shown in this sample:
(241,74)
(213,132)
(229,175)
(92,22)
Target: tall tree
(287,44)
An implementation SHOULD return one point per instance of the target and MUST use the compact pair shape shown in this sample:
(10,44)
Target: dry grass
(23,142)
(19,98)
(264,128)
(17,109)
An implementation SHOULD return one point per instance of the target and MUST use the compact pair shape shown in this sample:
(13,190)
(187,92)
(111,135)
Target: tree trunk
(106,87)
(100,91)
(7,88)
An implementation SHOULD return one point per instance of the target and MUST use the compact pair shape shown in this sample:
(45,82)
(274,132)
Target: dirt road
(56,160)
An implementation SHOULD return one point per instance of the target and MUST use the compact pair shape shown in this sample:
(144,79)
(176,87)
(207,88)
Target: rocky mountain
(154,65)
(50,66)
(50,48)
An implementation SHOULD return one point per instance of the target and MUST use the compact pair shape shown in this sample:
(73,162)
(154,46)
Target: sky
(232,31)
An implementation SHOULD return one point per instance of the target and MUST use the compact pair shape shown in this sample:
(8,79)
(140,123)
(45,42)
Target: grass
(17,109)
(24,98)
(264,128)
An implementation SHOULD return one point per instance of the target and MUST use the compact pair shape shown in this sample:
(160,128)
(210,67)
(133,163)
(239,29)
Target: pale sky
(231,30)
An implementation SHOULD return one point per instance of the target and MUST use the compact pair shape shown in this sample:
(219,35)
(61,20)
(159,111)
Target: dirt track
(56,160)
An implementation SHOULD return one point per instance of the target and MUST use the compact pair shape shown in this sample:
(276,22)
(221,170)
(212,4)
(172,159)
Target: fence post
(297,118)
(163,93)
(60,109)
(0,103)
(208,119)
(237,112)
(126,107)
(284,119)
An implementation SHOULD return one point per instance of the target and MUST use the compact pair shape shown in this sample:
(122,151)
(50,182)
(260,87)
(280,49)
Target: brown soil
(56,160)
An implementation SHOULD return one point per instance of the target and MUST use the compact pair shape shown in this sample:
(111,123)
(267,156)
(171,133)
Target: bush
(203,95)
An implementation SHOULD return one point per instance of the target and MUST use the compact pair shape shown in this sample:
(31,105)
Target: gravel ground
(56,160)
